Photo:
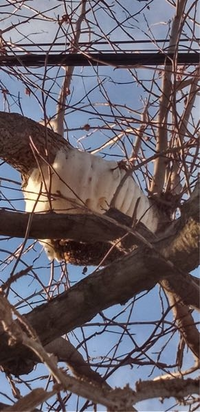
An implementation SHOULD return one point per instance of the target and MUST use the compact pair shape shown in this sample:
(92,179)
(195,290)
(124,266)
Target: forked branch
(166,101)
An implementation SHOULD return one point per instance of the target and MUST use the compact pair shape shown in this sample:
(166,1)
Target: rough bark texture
(166,388)
(96,237)
(112,285)
(118,282)
(16,134)
(30,147)
(175,252)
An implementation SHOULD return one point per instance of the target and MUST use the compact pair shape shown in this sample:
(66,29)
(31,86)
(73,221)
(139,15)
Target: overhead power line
(98,59)
(92,46)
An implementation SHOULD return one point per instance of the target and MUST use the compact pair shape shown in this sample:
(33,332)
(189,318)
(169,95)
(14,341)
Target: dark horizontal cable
(100,42)
(59,51)
(98,59)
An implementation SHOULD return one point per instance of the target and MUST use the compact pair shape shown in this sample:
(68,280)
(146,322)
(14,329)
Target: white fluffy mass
(78,181)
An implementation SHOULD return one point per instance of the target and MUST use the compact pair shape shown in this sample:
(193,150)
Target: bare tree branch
(29,402)
(16,133)
(58,122)
(166,388)
(132,274)
(113,399)
(186,324)
(66,352)
(165,101)
(96,393)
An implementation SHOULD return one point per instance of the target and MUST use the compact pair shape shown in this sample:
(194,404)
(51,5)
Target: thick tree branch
(185,241)
(87,228)
(115,284)
(177,242)
(166,100)
(181,238)
(29,402)
(66,352)
(184,321)
(166,388)
(95,392)
(115,400)
(16,134)
(118,282)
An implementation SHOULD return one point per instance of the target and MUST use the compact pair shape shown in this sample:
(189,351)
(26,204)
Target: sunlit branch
(58,122)
(165,101)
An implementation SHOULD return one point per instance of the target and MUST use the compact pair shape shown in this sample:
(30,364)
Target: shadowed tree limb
(114,284)
(178,241)
(166,101)
(118,282)
(22,332)
(116,400)
(166,388)
(185,322)
(66,352)
(16,134)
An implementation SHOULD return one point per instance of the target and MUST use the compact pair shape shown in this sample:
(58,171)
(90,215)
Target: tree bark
(23,142)
(115,284)
(174,252)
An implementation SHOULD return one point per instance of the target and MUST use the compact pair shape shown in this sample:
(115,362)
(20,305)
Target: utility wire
(119,59)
